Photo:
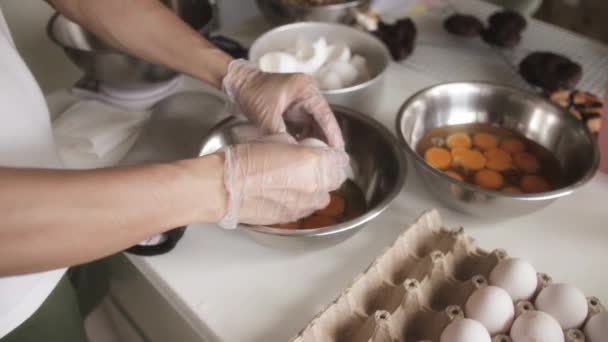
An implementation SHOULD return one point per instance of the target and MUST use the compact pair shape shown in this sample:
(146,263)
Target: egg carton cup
(417,287)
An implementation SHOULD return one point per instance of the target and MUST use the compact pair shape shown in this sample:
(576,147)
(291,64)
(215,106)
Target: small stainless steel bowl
(103,63)
(278,12)
(364,97)
(378,162)
(477,102)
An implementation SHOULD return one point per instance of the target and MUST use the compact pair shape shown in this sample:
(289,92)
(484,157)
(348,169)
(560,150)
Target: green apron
(61,316)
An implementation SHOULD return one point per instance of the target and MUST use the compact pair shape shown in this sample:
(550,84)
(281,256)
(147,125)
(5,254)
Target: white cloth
(95,128)
(26,140)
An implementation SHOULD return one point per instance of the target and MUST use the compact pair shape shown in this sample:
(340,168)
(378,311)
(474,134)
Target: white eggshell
(493,307)
(566,303)
(281,62)
(313,142)
(517,277)
(303,49)
(320,53)
(536,326)
(465,330)
(338,53)
(360,63)
(330,80)
(346,71)
(596,328)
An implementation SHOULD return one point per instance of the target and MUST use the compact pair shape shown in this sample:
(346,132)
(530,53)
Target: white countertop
(229,288)
(232,289)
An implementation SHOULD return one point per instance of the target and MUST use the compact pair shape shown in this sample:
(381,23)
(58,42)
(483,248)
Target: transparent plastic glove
(271,100)
(270,183)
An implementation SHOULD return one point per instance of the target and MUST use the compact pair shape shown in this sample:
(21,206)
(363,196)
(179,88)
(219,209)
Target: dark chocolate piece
(398,37)
(550,71)
(463,25)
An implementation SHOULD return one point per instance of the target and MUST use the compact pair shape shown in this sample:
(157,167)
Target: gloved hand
(271,100)
(269,182)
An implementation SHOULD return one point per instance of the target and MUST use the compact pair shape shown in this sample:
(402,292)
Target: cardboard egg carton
(415,289)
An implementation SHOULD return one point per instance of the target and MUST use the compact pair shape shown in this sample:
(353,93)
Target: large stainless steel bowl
(379,165)
(102,62)
(364,97)
(523,112)
(280,12)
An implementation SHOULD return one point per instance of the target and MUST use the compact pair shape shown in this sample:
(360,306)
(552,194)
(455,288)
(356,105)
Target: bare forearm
(52,218)
(147,29)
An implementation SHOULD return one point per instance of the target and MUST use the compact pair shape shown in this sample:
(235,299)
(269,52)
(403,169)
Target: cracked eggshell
(493,307)
(566,303)
(517,277)
(281,62)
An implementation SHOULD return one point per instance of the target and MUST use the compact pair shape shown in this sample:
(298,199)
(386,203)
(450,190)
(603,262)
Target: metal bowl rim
(377,78)
(419,162)
(357,222)
(336,6)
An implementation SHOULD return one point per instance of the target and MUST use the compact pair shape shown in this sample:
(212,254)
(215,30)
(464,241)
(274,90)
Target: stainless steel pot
(103,63)
(380,170)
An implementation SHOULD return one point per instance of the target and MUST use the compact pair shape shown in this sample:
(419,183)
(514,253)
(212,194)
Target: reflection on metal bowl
(280,12)
(528,114)
(379,171)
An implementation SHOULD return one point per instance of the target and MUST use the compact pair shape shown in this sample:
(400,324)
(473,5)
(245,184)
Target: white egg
(536,326)
(281,62)
(517,277)
(465,330)
(566,303)
(596,328)
(491,306)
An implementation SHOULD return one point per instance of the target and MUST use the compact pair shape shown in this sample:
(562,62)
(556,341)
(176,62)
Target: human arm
(58,218)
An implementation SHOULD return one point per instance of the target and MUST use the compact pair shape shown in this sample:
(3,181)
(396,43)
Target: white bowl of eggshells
(348,64)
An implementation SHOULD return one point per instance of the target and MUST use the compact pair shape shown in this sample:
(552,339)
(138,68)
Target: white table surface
(231,289)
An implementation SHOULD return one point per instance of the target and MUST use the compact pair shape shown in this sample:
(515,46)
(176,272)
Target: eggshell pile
(492,307)
(334,66)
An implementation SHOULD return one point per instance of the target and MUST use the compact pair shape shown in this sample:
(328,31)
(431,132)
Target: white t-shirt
(26,140)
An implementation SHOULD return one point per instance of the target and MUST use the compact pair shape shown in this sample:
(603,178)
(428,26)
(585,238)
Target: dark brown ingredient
(550,71)
(463,25)
(399,37)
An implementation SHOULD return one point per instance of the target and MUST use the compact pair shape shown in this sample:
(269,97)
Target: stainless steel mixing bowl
(364,97)
(476,102)
(280,12)
(102,62)
(379,166)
